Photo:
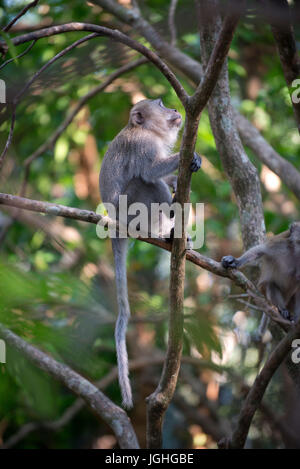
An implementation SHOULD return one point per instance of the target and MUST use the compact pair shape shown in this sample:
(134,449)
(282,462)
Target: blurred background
(56,277)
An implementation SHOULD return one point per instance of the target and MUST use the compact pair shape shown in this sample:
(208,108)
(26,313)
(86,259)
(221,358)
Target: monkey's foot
(196,163)
(229,262)
(170,238)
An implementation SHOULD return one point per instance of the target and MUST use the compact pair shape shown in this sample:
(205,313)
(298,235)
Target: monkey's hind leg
(274,295)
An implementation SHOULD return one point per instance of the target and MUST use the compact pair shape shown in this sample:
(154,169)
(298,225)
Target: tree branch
(103,383)
(216,59)
(283,33)
(267,155)
(240,171)
(171,22)
(115,35)
(19,95)
(69,118)
(101,406)
(256,393)
(18,56)
(158,402)
(193,256)
(191,69)
(22,13)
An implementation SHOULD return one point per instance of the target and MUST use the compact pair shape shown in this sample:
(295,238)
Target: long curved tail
(119,246)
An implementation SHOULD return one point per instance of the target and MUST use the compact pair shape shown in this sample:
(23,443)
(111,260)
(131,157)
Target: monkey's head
(151,114)
(295,231)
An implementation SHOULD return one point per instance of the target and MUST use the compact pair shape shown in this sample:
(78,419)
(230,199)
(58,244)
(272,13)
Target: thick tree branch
(171,22)
(257,391)
(101,406)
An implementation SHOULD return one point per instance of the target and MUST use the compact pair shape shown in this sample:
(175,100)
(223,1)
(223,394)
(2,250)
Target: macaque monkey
(279,259)
(139,164)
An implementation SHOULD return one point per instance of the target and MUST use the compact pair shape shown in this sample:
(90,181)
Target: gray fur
(135,164)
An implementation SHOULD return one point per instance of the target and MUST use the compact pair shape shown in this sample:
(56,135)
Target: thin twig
(102,384)
(17,98)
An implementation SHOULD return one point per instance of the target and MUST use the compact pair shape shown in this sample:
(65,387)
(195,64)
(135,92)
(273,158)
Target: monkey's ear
(137,118)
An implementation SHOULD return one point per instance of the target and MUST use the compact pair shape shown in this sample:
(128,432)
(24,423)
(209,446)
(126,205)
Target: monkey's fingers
(196,163)
(285,314)
(229,262)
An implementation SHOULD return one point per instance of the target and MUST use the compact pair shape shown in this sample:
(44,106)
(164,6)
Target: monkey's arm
(160,167)
(248,257)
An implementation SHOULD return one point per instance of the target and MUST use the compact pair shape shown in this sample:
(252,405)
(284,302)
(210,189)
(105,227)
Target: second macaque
(279,260)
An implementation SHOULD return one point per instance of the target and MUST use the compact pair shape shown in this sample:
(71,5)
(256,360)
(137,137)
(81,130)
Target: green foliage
(68,309)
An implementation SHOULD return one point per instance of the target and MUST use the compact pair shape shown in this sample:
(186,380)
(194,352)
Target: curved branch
(101,406)
(257,391)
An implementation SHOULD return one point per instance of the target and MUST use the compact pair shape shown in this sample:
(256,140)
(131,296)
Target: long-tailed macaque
(279,259)
(139,164)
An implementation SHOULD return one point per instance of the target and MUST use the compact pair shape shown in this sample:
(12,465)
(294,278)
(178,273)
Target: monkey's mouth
(176,121)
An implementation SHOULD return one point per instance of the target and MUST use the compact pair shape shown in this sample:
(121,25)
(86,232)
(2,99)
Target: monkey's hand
(196,163)
(285,314)
(229,262)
